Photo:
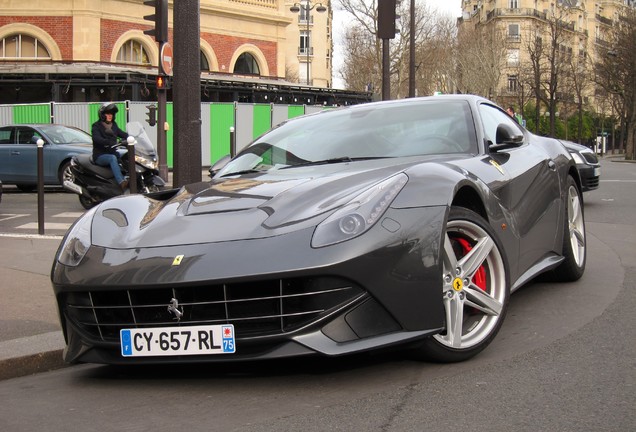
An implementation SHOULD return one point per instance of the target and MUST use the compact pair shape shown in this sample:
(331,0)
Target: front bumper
(391,275)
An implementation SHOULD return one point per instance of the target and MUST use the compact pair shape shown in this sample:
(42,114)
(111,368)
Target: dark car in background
(587,164)
(18,153)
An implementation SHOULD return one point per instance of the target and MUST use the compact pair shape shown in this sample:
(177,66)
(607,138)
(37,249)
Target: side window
(492,117)
(25,136)
(5,135)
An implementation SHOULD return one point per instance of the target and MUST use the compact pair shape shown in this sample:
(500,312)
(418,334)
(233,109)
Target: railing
(306,51)
(272,4)
(603,20)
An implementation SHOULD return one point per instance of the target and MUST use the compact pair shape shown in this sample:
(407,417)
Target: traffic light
(162,82)
(160,18)
(386,19)
(152,115)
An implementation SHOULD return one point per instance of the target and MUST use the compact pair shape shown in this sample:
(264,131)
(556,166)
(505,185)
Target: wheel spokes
(454,307)
(481,300)
(475,258)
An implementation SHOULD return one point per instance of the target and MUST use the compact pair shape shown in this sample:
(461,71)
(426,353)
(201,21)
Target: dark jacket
(103,140)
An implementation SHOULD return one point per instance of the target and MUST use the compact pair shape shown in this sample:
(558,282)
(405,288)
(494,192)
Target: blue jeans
(111,160)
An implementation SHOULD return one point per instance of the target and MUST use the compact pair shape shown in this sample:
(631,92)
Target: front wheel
(65,173)
(475,290)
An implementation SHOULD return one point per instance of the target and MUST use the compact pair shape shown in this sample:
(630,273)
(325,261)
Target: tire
(65,173)
(24,187)
(475,292)
(87,203)
(574,241)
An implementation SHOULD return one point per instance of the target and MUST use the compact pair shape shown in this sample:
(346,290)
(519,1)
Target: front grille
(261,308)
(592,182)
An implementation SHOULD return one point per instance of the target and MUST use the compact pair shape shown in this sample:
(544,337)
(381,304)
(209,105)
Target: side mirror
(218,165)
(506,137)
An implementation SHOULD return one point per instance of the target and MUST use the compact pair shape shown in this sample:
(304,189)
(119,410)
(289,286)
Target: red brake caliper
(480,275)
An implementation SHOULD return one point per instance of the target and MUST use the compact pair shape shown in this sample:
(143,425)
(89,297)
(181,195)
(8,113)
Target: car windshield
(64,134)
(362,132)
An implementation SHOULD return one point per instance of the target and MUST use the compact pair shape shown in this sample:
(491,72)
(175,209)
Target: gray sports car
(403,222)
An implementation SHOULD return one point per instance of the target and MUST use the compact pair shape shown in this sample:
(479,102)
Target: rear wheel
(574,244)
(87,203)
(475,289)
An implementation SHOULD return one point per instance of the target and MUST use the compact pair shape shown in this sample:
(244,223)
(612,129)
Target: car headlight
(77,241)
(577,158)
(360,214)
(147,163)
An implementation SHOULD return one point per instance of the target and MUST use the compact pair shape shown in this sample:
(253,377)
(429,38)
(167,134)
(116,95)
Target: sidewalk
(31,338)
(30,334)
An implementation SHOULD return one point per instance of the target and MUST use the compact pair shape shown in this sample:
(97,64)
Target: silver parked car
(18,152)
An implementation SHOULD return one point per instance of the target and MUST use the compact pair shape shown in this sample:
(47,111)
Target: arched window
(204,63)
(23,47)
(246,64)
(133,52)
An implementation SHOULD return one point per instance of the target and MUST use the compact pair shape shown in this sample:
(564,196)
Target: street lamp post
(308,7)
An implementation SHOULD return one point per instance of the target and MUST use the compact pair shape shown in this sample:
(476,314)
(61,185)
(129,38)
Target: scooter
(95,184)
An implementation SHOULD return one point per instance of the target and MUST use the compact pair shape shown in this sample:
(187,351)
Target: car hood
(238,208)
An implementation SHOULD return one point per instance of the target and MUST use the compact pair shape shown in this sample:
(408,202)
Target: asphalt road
(565,360)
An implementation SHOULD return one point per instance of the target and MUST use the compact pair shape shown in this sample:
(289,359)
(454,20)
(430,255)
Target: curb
(31,355)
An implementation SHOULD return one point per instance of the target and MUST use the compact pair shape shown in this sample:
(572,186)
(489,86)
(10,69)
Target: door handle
(15,152)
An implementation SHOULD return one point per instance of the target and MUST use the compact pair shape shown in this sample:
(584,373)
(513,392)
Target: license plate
(171,341)
(597,172)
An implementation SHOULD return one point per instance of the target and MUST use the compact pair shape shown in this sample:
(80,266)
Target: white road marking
(47,225)
(7,216)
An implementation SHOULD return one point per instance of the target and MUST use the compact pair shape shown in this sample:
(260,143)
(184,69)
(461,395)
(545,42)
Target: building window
(513,57)
(513,4)
(23,47)
(513,33)
(305,43)
(247,64)
(204,64)
(133,51)
(304,16)
(512,83)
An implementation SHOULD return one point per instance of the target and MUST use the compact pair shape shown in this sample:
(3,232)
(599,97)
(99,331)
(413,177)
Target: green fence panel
(262,119)
(295,111)
(32,113)
(221,119)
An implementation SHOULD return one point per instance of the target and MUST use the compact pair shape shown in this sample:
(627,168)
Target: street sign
(166,57)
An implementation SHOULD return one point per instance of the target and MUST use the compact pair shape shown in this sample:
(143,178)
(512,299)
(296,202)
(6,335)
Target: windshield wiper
(247,171)
(332,161)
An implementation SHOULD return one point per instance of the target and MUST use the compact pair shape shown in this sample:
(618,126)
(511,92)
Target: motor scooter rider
(105,133)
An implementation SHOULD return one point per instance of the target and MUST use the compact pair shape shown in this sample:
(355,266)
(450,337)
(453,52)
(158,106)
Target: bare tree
(480,56)
(550,50)
(363,51)
(616,74)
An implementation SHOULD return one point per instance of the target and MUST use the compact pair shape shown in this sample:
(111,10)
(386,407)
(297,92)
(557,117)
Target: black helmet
(107,109)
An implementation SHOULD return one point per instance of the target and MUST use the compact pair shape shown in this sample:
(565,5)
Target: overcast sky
(340,19)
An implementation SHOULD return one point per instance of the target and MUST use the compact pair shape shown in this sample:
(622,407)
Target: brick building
(96,50)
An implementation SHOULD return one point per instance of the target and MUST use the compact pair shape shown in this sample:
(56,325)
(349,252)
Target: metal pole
(40,162)
(308,40)
(412,51)
(132,174)
(232,142)
(162,141)
(386,73)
